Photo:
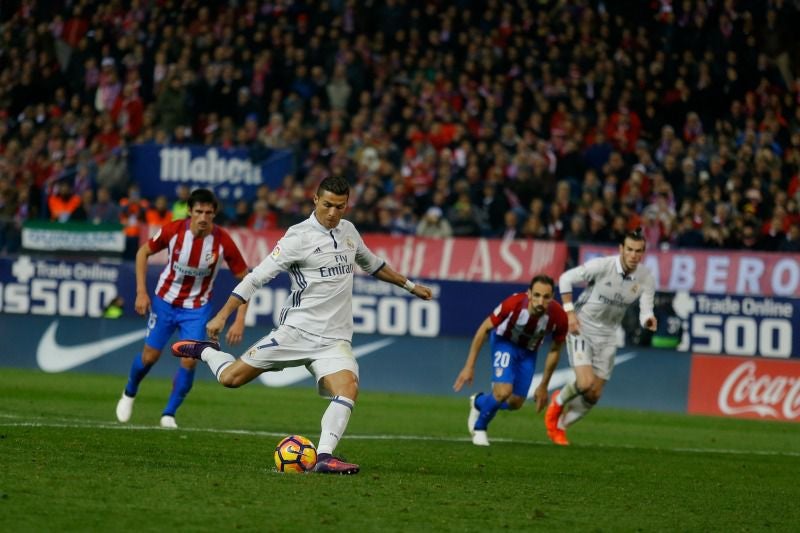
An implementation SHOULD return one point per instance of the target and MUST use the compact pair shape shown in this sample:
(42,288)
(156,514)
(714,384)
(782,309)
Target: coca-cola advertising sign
(745,388)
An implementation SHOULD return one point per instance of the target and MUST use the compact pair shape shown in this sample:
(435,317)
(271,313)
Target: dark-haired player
(195,249)
(517,326)
(612,284)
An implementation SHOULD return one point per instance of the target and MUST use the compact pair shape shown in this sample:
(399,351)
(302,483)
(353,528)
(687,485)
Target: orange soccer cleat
(552,414)
(559,436)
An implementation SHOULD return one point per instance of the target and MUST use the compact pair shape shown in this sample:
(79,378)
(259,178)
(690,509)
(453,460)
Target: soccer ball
(295,454)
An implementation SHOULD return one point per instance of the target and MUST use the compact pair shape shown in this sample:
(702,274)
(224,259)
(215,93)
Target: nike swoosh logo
(296,374)
(53,357)
(565,375)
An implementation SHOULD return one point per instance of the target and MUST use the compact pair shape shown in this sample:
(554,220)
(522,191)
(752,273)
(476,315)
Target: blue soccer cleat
(192,349)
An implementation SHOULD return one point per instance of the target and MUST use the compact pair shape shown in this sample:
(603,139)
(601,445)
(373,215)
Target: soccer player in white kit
(613,284)
(320,255)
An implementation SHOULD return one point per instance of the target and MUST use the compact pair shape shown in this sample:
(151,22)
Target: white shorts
(287,346)
(599,354)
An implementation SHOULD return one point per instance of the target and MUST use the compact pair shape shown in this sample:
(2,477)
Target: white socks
(568,392)
(217,360)
(574,411)
(334,422)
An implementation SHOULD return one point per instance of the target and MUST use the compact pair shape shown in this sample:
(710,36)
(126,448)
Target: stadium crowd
(549,119)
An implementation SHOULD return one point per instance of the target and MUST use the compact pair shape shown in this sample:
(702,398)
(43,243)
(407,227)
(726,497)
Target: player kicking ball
(613,284)
(316,323)
(517,327)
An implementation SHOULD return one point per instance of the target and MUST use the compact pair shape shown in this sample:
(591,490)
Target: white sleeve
(286,252)
(368,261)
(579,274)
(647,299)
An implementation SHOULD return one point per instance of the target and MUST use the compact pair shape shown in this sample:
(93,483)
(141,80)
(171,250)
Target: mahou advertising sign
(745,387)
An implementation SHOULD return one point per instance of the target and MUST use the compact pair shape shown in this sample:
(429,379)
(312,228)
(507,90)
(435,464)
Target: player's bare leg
(582,404)
(569,394)
(228,370)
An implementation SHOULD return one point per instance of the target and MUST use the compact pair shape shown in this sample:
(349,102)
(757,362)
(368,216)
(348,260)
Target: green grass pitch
(67,465)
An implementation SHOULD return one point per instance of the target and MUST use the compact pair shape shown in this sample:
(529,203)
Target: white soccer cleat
(480,438)
(168,422)
(125,407)
(473,414)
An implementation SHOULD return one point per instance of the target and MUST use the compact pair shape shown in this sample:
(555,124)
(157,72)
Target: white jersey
(601,307)
(321,264)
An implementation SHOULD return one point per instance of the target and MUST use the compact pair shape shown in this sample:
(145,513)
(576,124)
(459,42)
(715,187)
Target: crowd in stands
(546,119)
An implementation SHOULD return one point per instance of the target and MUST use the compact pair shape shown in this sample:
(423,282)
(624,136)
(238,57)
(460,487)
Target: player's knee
(230,380)
(341,384)
(150,357)
(350,389)
(584,385)
(501,395)
(188,364)
(515,402)
(592,395)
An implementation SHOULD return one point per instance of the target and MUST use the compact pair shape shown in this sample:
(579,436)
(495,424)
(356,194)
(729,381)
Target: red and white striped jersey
(192,263)
(513,322)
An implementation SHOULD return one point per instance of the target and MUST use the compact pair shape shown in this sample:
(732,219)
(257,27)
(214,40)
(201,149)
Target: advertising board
(231,173)
(718,272)
(745,387)
(71,288)
(722,324)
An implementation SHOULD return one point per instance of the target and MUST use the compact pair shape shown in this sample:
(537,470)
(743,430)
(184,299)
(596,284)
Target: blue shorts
(165,319)
(512,364)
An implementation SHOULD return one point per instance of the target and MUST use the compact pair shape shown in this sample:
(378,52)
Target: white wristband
(409,285)
(569,307)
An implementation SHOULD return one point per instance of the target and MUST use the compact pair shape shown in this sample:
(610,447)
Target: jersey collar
(317,224)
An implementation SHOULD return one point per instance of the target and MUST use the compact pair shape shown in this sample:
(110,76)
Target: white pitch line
(72,424)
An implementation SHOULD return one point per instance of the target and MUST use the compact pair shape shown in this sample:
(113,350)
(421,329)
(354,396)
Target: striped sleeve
(285,253)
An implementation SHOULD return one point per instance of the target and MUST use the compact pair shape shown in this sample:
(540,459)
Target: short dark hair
(634,235)
(202,196)
(334,184)
(543,278)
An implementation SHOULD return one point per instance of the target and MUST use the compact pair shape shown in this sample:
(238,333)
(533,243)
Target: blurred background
(484,141)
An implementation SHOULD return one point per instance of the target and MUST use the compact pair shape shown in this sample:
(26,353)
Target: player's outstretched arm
(550,364)
(646,302)
(467,374)
(387,274)
(215,326)
(236,331)
(142,303)
(573,326)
